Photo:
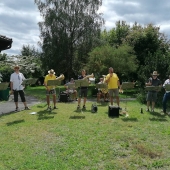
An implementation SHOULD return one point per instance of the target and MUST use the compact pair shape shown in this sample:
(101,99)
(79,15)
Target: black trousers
(21,93)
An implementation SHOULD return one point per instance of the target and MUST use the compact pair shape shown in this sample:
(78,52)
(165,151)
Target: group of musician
(112,90)
(111,79)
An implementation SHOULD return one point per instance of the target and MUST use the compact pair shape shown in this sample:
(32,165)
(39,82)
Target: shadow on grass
(102,104)
(45,115)
(77,117)
(15,122)
(82,111)
(158,119)
(41,106)
(157,114)
(126,119)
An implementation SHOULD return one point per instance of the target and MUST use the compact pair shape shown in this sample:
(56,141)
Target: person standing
(50,89)
(16,86)
(152,95)
(82,91)
(166,96)
(113,84)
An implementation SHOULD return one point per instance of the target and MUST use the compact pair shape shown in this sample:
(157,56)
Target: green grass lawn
(66,139)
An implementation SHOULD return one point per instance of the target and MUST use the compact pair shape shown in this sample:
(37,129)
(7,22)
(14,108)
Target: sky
(19,18)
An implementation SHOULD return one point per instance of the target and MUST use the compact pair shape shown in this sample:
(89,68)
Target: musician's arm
(118,84)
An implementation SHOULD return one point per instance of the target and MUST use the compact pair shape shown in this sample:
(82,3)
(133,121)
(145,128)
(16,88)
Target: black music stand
(81,83)
(125,86)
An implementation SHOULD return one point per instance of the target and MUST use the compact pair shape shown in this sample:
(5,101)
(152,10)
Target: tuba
(89,76)
(61,77)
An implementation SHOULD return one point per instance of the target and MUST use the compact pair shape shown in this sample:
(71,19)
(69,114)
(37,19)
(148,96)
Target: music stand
(81,83)
(101,86)
(29,81)
(154,88)
(53,82)
(167,87)
(125,86)
(4,86)
(72,87)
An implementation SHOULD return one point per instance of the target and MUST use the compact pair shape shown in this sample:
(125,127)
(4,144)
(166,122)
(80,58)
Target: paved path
(9,106)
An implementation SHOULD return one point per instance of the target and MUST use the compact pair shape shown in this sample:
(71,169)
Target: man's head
(16,68)
(101,79)
(111,70)
(155,74)
(51,72)
(83,72)
(72,80)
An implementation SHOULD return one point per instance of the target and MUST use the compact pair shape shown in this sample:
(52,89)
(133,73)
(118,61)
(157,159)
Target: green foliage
(68,28)
(122,59)
(151,48)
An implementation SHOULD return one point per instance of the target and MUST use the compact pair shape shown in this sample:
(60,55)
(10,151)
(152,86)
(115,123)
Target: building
(5,43)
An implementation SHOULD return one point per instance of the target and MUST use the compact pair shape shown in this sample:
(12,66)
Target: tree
(152,50)
(30,64)
(122,59)
(69,28)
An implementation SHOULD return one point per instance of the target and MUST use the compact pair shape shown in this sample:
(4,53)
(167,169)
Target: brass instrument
(61,77)
(89,76)
(104,90)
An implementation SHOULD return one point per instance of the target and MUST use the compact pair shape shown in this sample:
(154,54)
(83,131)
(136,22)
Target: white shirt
(166,82)
(17,79)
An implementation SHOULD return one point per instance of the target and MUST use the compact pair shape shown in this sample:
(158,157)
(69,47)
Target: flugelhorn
(61,77)
(89,76)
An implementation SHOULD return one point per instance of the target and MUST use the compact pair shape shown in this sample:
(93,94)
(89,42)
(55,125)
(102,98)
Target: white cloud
(19,18)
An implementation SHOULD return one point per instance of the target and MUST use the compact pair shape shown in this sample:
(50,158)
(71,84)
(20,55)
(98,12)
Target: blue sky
(19,18)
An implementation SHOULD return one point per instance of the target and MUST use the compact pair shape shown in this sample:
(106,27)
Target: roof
(5,43)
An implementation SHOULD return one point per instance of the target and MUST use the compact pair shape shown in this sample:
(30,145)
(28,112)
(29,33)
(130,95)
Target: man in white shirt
(166,95)
(16,80)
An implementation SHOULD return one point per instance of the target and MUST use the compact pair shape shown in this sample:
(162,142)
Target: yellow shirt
(48,77)
(113,82)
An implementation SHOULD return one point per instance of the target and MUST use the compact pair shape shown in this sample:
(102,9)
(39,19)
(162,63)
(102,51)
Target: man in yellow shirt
(50,89)
(113,83)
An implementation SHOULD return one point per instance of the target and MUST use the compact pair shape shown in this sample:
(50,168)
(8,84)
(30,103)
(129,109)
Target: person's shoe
(49,108)
(55,107)
(152,110)
(84,107)
(147,110)
(78,107)
(17,109)
(27,108)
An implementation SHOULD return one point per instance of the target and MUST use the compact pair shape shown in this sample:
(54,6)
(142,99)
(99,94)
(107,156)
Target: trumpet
(61,77)
(89,76)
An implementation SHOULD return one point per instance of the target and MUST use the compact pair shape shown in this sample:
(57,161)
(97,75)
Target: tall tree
(69,27)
